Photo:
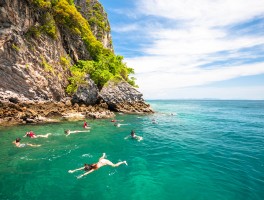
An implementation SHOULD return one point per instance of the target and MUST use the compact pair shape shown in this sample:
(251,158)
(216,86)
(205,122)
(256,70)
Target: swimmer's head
(18,140)
(88,167)
(132,133)
(67,132)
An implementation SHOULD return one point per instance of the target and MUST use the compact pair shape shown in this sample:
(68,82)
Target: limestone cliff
(34,65)
(39,41)
(94,12)
(121,97)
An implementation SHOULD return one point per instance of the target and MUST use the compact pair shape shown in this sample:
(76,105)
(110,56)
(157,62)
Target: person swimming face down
(88,167)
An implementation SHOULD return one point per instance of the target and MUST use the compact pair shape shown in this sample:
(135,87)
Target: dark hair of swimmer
(66,131)
(88,167)
(18,140)
(132,133)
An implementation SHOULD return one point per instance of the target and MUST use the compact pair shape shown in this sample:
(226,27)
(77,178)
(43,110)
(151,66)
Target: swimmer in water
(118,124)
(68,132)
(154,121)
(134,136)
(89,168)
(115,120)
(31,134)
(86,125)
(18,144)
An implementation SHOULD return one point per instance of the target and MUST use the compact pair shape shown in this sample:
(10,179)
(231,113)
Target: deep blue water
(196,150)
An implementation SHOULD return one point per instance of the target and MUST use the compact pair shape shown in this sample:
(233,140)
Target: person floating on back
(31,134)
(134,136)
(18,144)
(89,168)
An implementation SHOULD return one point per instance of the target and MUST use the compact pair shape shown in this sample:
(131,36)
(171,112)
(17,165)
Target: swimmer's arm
(71,171)
(14,142)
(85,173)
(127,137)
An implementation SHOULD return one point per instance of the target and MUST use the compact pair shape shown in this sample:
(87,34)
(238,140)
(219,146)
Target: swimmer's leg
(84,131)
(108,162)
(44,136)
(102,157)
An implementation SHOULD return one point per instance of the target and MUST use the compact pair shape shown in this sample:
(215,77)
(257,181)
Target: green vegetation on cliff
(96,18)
(107,67)
(48,27)
(104,65)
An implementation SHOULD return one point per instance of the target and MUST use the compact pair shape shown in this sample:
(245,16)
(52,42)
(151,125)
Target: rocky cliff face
(31,63)
(87,93)
(36,53)
(94,13)
(122,97)
(22,60)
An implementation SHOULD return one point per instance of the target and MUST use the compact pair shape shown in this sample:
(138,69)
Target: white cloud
(197,40)
(203,12)
(173,60)
(180,78)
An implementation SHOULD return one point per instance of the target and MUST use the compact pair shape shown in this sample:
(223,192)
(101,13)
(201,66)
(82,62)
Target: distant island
(57,62)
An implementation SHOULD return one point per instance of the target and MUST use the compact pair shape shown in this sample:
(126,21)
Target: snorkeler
(18,144)
(89,168)
(31,134)
(134,136)
(68,132)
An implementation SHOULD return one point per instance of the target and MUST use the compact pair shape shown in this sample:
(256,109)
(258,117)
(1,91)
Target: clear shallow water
(205,150)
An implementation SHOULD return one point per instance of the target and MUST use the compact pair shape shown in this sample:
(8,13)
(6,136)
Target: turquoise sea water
(206,150)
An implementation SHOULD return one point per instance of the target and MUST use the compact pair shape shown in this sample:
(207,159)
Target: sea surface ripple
(192,149)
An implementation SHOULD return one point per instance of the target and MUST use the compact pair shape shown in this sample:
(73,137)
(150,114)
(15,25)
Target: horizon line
(208,99)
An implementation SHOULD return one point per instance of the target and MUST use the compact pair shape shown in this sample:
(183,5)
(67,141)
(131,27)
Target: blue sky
(191,49)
